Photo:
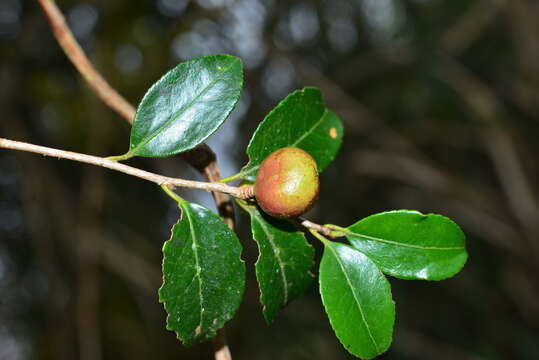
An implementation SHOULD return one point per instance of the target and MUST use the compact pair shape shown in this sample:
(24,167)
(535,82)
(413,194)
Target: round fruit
(287,183)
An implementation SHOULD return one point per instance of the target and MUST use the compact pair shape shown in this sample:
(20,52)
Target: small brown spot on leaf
(333,133)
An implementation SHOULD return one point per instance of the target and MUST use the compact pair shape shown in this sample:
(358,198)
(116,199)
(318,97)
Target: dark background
(440,105)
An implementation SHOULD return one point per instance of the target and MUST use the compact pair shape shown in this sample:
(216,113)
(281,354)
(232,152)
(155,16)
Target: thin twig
(113,165)
(317,227)
(470,26)
(73,50)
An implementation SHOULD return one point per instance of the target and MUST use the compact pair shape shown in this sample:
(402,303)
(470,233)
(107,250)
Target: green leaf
(203,275)
(284,263)
(357,299)
(410,245)
(300,120)
(186,106)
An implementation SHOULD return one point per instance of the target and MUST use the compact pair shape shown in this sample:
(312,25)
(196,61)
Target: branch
(469,26)
(129,170)
(77,56)
(208,166)
(99,85)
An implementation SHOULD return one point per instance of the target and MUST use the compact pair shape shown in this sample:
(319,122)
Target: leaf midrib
(279,260)
(197,271)
(396,243)
(322,117)
(184,109)
(355,298)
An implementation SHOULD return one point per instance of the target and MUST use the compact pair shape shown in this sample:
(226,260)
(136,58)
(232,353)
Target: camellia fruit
(287,183)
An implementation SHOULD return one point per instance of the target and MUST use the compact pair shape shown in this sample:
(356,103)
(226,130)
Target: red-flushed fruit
(287,183)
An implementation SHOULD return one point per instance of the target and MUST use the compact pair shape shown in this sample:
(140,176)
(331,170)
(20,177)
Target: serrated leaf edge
(279,261)
(254,213)
(216,326)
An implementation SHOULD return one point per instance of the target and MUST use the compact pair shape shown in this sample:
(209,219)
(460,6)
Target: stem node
(246,192)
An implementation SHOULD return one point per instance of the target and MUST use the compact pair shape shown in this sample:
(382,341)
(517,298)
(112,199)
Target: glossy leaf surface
(357,299)
(410,245)
(186,105)
(203,275)
(300,120)
(284,262)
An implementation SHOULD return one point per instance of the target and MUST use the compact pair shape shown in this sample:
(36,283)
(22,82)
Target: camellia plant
(203,274)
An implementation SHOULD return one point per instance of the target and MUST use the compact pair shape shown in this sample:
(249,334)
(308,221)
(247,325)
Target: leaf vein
(300,139)
(277,256)
(360,308)
(396,243)
(183,110)
(197,264)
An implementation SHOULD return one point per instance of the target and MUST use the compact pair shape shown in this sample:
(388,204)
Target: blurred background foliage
(440,105)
